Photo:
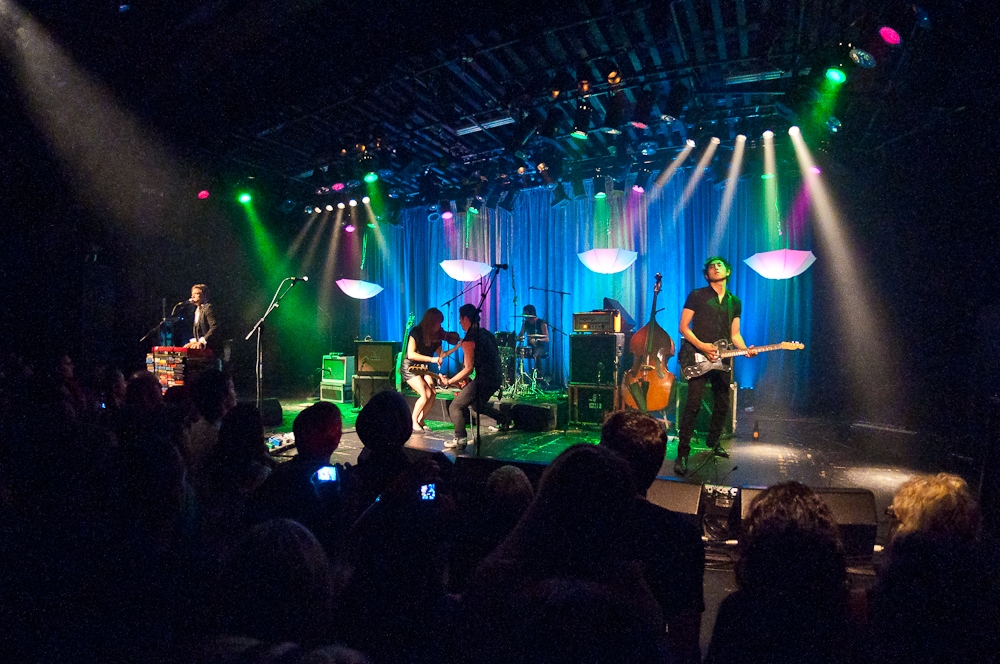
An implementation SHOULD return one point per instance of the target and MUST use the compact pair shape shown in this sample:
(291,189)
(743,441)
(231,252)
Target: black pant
(720,408)
(471,396)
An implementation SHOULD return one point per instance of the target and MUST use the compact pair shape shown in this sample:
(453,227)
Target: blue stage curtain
(540,243)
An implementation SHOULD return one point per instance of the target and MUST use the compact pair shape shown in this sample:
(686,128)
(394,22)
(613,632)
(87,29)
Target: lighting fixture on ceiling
(581,120)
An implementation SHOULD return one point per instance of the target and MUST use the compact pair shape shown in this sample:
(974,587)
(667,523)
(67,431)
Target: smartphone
(326,474)
(428,492)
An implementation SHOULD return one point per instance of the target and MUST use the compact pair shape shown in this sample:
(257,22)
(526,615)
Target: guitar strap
(729,317)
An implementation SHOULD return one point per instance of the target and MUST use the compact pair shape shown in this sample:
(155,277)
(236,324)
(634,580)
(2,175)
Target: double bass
(646,386)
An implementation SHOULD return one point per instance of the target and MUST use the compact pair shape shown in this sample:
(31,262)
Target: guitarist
(710,314)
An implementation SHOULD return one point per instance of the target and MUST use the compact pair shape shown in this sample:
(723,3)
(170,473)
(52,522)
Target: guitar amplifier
(376,358)
(338,368)
(597,321)
(365,387)
(595,358)
(336,392)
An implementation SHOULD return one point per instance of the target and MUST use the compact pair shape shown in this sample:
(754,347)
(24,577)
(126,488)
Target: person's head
(579,513)
(508,491)
(213,394)
(641,440)
(716,269)
(384,422)
(199,294)
(468,316)
(430,325)
(317,430)
(529,311)
(790,545)
(241,436)
(938,506)
(143,391)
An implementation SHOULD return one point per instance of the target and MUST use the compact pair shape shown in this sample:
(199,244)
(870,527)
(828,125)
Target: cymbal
(537,336)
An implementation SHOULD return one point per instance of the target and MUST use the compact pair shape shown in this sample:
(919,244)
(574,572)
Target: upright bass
(646,386)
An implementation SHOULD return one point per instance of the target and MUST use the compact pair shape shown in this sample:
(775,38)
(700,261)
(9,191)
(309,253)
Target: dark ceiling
(306,93)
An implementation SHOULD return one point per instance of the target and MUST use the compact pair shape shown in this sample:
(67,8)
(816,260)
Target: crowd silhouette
(142,526)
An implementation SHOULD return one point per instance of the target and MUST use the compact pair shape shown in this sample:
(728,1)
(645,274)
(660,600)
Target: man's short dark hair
(641,440)
(712,259)
(311,423)
(209,393)
(529,310)
(469,311)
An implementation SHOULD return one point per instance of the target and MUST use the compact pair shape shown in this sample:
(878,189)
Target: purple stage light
(637,189)
(447,214)
(338,186)
(815,169)
(350,228)
(889,36)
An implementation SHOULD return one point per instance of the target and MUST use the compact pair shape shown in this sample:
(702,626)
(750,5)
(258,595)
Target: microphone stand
(475,326)
(259,368)
(448,304)
(163,321)
(561,295)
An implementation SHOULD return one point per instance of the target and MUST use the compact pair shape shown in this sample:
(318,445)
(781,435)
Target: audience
(670,549)
(791,602)
(132,533)
(937,596)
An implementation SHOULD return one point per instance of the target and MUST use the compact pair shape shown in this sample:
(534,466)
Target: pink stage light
(889,36)
(447,214)
(350,228)
(338,186)
(203,194)
(815,169)
(637,189)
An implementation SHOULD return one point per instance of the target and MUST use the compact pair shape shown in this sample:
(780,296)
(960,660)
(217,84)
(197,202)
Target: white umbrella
(359,290)
(464,270)
(607,261)
(781,264)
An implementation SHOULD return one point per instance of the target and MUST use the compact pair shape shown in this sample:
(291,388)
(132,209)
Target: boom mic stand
(163,320)
(259,368)
(475,326)
(448,304)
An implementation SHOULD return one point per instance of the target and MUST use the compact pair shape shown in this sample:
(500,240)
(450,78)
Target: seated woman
(423,347)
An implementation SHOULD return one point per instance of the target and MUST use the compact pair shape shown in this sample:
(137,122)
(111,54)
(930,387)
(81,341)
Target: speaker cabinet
(705,413)
(335,392)
(852,509)
(338,368)
(365,387)
(376,358)
(591,403)
(593,358)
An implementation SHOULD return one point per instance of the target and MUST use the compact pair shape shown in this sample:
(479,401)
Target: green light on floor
(836,75)
(600,195)
(581,135)
(245,198)
(371,177)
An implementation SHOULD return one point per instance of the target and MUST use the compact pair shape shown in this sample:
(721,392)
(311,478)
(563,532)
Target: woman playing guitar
(423,348)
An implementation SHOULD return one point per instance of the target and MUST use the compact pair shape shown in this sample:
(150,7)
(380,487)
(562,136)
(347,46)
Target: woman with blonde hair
(423,350)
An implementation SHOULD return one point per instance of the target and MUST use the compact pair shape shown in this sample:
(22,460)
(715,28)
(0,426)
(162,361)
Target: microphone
(499,266)
(294,279)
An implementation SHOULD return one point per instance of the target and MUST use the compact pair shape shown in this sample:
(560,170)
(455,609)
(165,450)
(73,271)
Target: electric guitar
(698,364)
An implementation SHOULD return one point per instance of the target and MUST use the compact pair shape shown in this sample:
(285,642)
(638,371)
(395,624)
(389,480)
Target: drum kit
(516,381)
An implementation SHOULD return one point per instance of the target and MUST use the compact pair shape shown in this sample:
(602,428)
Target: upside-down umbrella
(607,261)
(359,290)
(781,263)
(464,270)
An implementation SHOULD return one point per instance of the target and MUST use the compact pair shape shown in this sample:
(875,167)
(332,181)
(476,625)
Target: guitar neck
(760,349)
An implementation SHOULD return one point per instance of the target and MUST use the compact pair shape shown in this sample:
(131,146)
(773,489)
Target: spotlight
(473,207)
(447,214)
(614,117)
(432,214)
(395,192)
(203,194)
(340,205)
(768,134)
(329,208)
(578,188)
(609,70)
(642,179)
(889,36)
(833,125)
(559,198)
(317,210)
(581,120)
(815,170)
(715,140)
(337,186)
(862,58)
(560,83)
(794,131)
(371,177)
(508,201)
(689,143)
(245,198)
(350,228)
(835,75)
(366,200)
(600,187)
(352,203)
(583,86)
(308,209)
(740,138)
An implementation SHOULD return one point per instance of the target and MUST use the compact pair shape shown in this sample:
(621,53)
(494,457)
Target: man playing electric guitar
(710,314)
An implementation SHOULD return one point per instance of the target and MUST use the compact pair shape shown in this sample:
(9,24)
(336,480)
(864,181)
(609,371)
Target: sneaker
(456,443)
(681,466)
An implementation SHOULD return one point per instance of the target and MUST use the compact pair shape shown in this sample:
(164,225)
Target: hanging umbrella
(464,270)
(781,264)
(359,290)
(607,261)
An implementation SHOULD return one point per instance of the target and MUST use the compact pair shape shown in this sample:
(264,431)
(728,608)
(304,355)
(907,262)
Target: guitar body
(647,385)
(699,365)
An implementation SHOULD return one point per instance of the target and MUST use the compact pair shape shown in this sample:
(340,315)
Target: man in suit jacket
(204,327)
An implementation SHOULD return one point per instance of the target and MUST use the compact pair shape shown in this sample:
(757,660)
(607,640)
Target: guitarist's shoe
(681,466)
(719,452)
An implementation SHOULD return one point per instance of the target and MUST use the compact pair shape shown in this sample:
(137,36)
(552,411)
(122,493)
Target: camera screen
(427,492)
(326,474)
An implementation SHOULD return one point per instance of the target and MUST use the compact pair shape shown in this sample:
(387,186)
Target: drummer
(536,332)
